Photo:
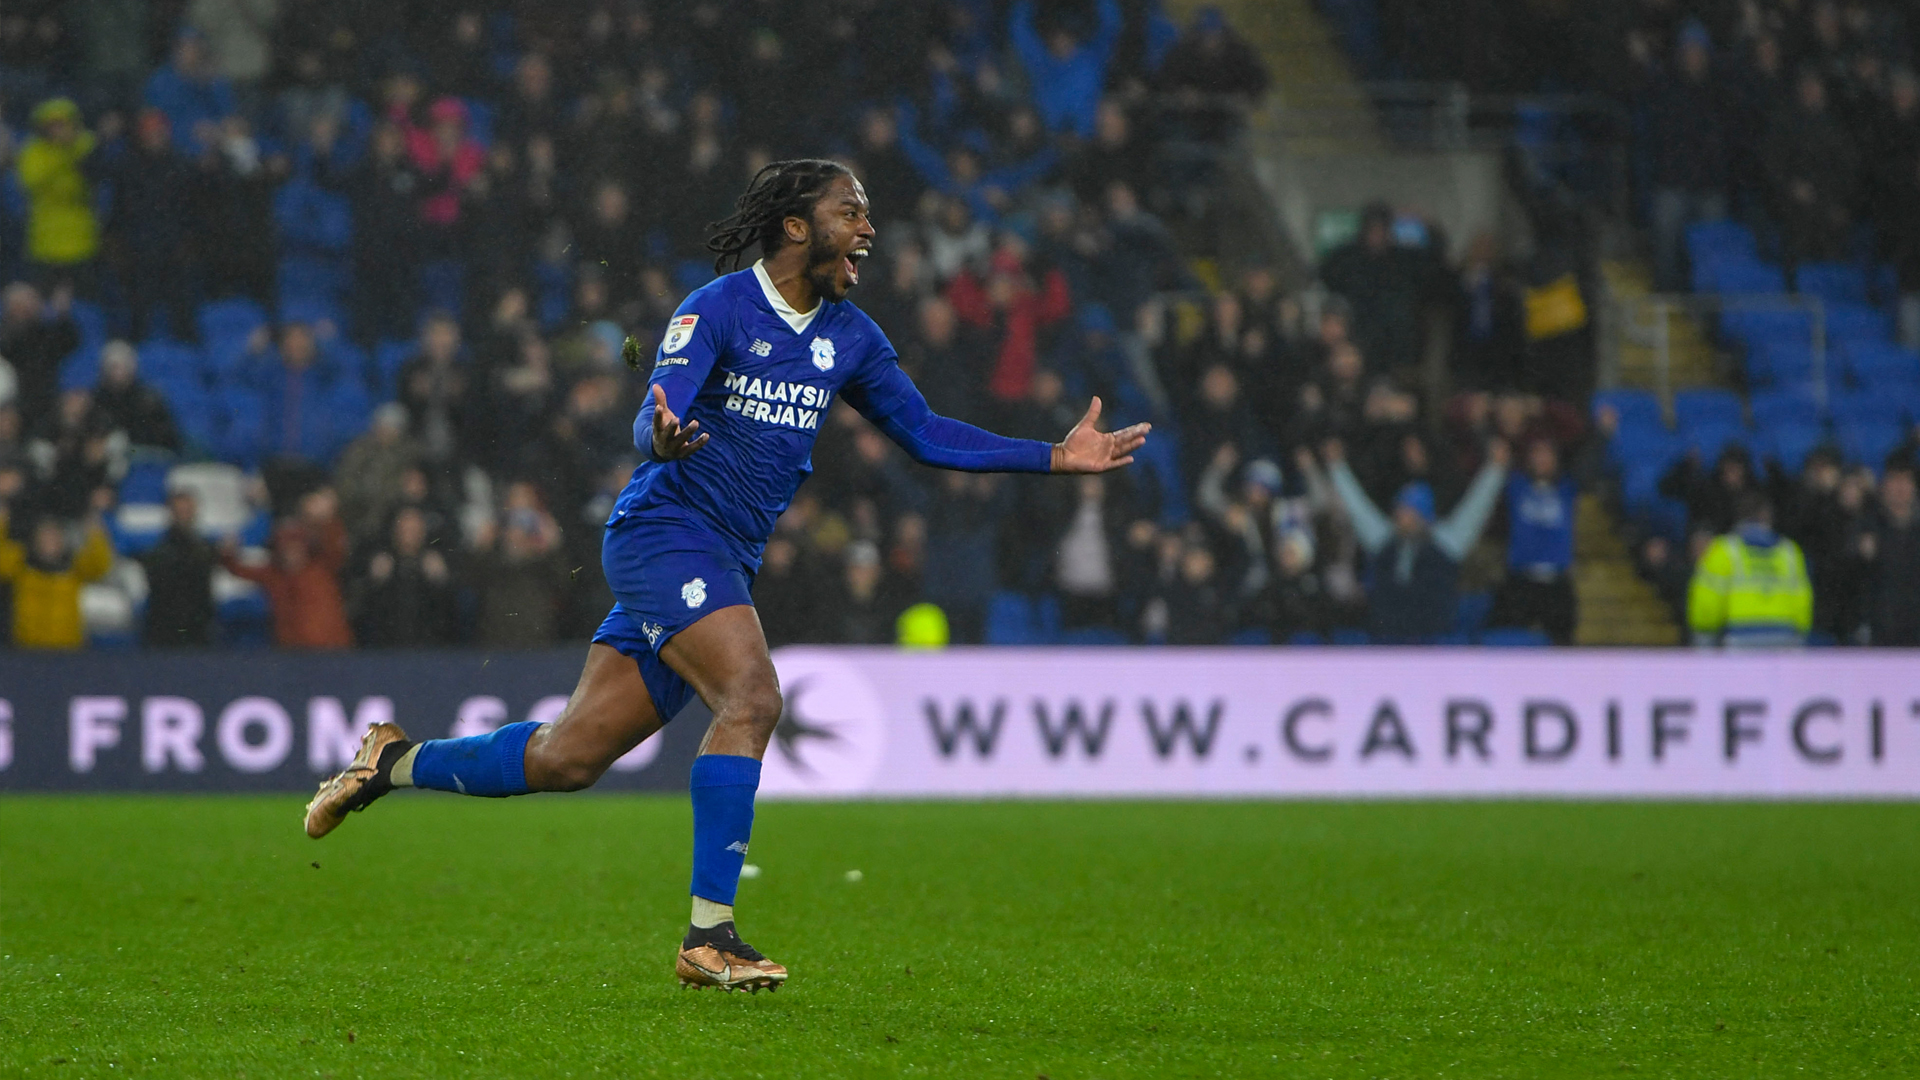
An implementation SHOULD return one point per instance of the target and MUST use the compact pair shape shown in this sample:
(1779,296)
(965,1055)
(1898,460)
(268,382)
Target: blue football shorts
(665,578)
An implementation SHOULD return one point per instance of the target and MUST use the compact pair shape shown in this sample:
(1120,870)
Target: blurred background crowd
(315,311)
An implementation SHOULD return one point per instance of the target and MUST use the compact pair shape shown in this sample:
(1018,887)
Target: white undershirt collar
(781,308)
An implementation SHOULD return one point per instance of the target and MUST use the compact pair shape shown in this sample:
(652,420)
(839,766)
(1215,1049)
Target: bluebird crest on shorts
(823,353)
(694,592)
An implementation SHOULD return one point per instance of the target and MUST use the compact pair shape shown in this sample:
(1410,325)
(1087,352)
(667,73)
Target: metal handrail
(1649,320)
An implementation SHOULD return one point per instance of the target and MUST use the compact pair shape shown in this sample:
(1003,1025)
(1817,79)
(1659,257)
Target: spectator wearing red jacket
(1014,308)
(302,581)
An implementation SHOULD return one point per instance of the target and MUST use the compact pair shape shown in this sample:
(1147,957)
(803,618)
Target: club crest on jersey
(679,332)
(694,592)
(823,353)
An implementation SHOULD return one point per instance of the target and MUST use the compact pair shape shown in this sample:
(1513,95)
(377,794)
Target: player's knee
(575,773)
(758,706)
(556,764)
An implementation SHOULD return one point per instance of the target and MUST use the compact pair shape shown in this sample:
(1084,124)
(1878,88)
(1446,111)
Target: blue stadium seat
(1306,638)
(1875,363)
(145,482)
(1767,324)
(92,323)
(1709,439)
(137,525)
(1836,283)
(1772,408)
(1863,407)
(1869,442)
(313,310)
(1696,408)
(81,369)
(1642,447)
(1634,406)
(1471,611)
(1010,620)
(1252,635)
(1789,443)
(1857,322)
(226,320)
(1720,239)
(1747,276)
(1350,635)
(1514,638)
(1777,363)
(1099,635)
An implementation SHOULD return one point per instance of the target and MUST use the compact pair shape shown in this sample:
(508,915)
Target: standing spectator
(963,540)
(239,36)
(1388,286)
(1686,126)
(1812,170)
(1211,61)
(1890,549)
(372,469)
(233,217)
(150,186)
(435,386)
(46,574)
(1538,592)
(132,406)
(1750,589)
(1086,556)
(1712,498)
(1067,73)
(180,580)
(196,100)
(1413,565)
(1195,606)
(35,337)
(63,236)
(1009,306)
(385,190)
(869,602)
(784,594)
(1490,328)
(518,567)
(404,599)
(302,577)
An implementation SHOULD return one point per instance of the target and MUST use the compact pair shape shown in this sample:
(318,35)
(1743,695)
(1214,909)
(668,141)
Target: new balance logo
(739,846)
(760,348)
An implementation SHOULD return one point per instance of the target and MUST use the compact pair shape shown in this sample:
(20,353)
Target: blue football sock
(493,765)
(723,787)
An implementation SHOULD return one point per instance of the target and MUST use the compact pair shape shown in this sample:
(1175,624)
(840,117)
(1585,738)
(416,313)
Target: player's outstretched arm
(1087,449)
(670,439)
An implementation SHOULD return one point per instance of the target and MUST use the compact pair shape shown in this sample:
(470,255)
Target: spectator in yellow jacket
(1751,588)
(62,232)
(46,579)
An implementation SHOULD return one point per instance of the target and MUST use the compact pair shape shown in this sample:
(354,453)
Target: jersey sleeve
(688,350)
(883,394)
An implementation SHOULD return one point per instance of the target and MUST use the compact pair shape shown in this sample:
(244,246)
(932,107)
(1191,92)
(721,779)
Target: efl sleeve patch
(679,332)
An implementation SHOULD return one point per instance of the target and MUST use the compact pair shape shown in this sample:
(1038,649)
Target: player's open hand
(1087,449)
(670,440)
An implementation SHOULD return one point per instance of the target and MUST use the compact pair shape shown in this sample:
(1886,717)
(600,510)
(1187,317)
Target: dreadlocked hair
(779,191)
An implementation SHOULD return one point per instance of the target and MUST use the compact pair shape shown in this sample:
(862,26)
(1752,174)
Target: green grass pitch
(437,936)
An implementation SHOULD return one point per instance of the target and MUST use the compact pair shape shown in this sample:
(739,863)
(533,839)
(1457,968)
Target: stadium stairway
(1618,607)
(1308,68)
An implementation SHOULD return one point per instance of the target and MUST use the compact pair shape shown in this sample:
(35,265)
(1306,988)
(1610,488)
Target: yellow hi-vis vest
(1751,595)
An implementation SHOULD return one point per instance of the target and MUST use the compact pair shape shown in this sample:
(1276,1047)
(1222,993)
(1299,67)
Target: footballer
(743,378)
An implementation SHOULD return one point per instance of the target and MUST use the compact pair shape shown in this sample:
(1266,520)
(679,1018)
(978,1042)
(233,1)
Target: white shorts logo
(694,592)
(823,353)
(679,332)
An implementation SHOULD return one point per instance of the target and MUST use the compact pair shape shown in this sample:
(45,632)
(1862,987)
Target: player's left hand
(670,440)
(1087,449)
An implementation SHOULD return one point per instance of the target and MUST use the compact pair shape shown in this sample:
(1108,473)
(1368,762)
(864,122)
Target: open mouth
(852,263)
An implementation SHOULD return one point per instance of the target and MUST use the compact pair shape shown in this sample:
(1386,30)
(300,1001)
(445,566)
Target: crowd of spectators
(384,261)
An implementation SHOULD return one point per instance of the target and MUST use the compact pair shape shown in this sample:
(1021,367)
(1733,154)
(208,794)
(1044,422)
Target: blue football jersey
(762,377)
